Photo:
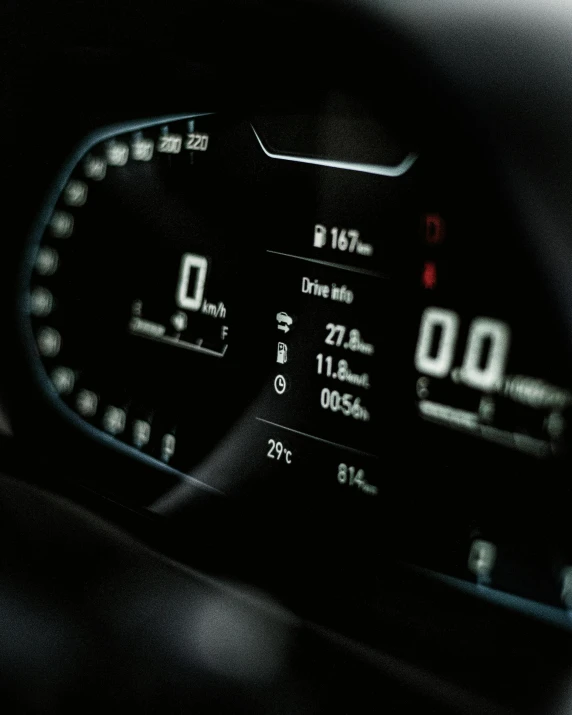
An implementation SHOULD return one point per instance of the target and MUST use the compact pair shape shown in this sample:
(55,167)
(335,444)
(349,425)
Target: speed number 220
(486,350)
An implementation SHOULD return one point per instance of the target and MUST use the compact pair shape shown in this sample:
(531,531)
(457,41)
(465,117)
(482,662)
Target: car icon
(284,318)
(284,321)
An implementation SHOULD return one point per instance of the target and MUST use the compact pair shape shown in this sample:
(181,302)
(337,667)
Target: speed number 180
(486,351)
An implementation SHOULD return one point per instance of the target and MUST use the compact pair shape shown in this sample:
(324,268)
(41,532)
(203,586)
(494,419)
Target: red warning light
(434,229)
(429,279)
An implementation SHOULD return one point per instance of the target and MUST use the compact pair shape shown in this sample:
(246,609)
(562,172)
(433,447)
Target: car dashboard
(288,336)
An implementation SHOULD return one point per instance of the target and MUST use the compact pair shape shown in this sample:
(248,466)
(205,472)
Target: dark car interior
(285,379)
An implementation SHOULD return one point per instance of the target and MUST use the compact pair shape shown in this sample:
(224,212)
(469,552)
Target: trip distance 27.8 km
(337,333)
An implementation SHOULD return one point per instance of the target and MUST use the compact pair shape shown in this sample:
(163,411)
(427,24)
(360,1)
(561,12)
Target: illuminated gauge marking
(482,559)
(41,302)
(141,433)
(86,403)
(555,425)
(169,144)
(197,142)
(114,420)
(95,168)
(63,379)
(117,153)
(47,261)
(142,149)
(61,224)
(49,342)
(75,193)
(168,445)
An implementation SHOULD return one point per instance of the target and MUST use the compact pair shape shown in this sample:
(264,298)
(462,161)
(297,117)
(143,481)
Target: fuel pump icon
(320,236)
(282,354)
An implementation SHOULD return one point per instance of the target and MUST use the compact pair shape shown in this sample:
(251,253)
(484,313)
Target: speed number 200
(486,351)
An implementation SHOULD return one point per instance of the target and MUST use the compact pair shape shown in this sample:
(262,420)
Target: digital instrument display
(490,358)
(185,275)
(207,281)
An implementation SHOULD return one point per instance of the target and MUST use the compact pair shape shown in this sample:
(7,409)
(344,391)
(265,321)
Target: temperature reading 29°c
(277,451)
